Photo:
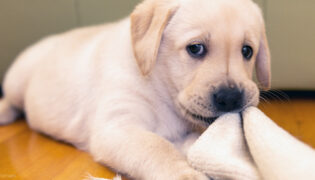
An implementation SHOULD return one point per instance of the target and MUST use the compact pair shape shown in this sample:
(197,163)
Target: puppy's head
(205,52)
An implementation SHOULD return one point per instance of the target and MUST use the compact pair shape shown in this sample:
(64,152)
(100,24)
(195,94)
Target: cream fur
(109,91)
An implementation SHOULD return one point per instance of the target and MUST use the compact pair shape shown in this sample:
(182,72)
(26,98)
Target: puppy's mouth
(197,117)
(207,120)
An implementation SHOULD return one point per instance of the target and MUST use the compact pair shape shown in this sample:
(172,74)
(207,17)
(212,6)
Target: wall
(24,22)
(290,27)
(291,33)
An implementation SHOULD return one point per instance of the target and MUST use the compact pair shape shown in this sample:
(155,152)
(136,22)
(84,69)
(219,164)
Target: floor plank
(296,116)
(25,154)
(29,155)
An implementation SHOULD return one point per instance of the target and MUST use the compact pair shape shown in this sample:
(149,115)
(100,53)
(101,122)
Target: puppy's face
(207,56)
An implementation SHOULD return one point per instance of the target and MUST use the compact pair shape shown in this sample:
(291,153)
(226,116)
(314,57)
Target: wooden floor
(25,154)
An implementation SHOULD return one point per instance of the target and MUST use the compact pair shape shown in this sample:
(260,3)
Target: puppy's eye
(196,50)
(247,52)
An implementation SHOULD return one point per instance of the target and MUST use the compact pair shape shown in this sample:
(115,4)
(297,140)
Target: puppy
(134,93)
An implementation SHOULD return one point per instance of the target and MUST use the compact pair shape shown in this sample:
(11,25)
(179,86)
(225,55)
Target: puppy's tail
(7,112)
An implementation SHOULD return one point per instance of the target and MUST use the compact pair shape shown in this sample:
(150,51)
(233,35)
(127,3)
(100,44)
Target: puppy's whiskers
(275,95)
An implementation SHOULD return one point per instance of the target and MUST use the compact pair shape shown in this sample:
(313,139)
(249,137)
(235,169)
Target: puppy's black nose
(228,99)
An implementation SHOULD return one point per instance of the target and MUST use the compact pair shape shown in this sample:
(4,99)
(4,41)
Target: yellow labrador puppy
(134,92)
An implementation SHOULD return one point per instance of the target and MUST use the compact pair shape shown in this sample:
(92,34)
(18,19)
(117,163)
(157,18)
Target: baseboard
(285,94)
(1,92)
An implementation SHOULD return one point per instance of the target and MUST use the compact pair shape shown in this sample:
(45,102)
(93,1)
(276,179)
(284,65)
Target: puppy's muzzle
(228,99)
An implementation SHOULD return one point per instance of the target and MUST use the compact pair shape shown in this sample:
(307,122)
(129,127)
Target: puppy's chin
(195,118)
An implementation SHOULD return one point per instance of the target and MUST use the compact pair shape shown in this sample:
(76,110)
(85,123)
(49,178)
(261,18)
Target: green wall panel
(291,32)
(24,22)
(100,11)
(260,3)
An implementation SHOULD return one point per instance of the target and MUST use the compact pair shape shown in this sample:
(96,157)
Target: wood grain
(25,154)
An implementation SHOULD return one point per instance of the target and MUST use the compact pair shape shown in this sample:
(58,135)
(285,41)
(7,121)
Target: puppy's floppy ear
(147,25)
(263,69)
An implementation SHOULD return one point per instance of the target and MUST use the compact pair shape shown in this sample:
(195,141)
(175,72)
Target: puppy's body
(88,87)
(84,82)
(83,72)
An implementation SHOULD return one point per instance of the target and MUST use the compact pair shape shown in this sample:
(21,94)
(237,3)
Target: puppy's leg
(140,153)
(184,144)
(7,112)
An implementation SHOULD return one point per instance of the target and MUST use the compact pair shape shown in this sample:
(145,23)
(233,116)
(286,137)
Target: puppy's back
(52,51)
